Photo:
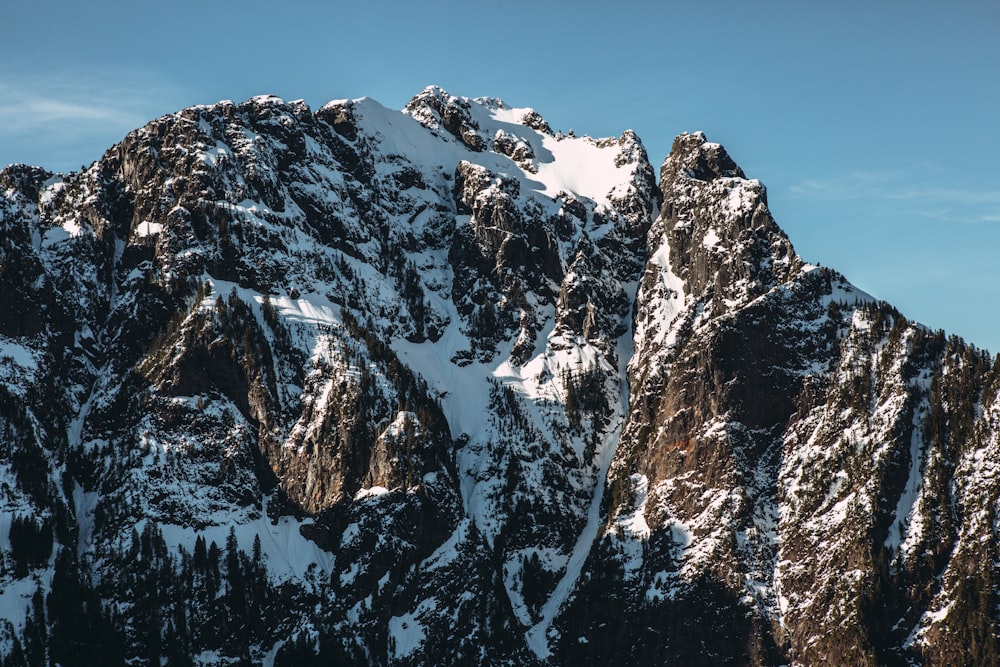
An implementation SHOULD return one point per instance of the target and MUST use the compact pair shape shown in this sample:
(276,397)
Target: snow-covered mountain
(442,386)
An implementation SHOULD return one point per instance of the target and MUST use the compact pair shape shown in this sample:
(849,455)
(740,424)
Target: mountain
(443,386)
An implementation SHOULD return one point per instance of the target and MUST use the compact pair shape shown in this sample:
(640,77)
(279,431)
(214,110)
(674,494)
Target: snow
(287,553)
(347,577)
(315,323)
(445,554)
(372,492)
(660,325)
(562,172)
(148,228)
(557,160)
(16,594)
(464,391)
(84,504)
(56,235)
(511,115)
(399,426)
(513,576)
(550,560)
(743,195)
(908,523)
(631,528)
(269,657)
(929,618)
(215,155)
(406,632)
(308,309)
(635,521)
(15,597)
(537,636)
(50,189)
(209,659)
(350,534)
(18,354)
(72,227)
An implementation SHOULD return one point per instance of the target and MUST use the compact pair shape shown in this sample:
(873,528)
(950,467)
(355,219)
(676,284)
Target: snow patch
(405,422)
(445,554)
(17,354)
(373,492)
(287,553)
(148,229)
(908,518)
(406,632)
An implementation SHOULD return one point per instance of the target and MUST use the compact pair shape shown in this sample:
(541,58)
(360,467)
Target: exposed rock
(373,387)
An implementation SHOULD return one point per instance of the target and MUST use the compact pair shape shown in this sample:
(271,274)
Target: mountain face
(442,386)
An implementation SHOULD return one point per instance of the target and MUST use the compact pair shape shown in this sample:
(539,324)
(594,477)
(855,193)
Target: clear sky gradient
(875,125)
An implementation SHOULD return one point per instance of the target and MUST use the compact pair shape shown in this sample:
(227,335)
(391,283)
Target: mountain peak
(696,157)
(434,108)
(716,227)
(453,389)
(473,121)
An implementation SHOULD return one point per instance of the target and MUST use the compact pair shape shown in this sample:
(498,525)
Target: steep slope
(803,469)
(439,386)
(389,348)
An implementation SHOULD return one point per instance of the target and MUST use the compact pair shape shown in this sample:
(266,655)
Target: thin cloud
(21,112)
(112,100)
(59,119)
(856,185)
(891,190)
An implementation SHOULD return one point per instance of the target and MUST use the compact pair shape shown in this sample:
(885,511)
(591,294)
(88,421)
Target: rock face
(440,386)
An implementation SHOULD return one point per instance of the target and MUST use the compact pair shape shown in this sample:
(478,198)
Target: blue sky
(875,125)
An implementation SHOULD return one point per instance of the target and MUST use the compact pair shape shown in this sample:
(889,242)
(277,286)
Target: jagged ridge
(360,376)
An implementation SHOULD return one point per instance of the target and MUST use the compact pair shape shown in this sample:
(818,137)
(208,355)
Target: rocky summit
(442,386)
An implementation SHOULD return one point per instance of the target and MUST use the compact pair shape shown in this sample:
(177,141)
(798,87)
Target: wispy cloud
(60,119)
(856,185)
(896,191)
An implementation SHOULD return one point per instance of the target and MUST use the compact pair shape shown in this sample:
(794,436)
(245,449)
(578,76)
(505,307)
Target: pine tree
(200,553)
